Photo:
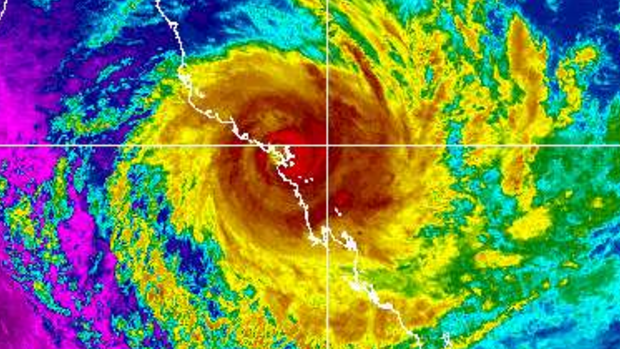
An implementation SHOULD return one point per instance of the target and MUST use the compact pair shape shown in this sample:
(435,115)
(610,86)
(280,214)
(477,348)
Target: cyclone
(288,174)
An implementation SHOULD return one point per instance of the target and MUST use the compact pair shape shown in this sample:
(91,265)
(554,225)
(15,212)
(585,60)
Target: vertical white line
(327,211)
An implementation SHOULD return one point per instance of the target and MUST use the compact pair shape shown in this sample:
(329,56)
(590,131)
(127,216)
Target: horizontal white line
(330,145)
(128,145)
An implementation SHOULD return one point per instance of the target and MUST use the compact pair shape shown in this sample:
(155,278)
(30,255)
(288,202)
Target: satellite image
(310,174)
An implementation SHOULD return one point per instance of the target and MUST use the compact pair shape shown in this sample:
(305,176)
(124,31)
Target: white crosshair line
(327,211)
(331,145)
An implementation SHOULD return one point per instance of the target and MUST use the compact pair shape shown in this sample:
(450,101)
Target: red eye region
(308,165)
(309,161)
(254,200)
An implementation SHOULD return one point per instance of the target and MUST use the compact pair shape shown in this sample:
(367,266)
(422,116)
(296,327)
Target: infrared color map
(292,174)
